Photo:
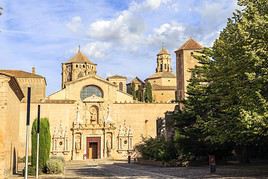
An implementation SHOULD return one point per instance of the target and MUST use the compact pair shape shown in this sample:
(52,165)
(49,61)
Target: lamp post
(37,142)
(27,131)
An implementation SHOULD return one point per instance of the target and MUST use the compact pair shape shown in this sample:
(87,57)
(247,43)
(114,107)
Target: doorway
(93,147)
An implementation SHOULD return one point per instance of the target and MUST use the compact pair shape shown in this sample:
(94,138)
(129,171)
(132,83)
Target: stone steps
(91,162)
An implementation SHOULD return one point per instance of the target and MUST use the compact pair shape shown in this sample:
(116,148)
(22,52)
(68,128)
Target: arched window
(91,90)
(120,86)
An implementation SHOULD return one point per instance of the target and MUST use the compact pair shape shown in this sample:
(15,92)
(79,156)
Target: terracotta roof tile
(57,101)
(163,51)
(116,76)
(79,57)
(162,75)
(190,44)
(21,74)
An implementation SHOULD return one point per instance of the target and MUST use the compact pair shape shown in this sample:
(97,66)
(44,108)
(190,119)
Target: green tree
(133,91)
(139,94)
(227,95)
(148,98)
(44,142)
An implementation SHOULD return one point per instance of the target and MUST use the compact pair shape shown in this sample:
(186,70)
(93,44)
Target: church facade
(95,118)
(90,117)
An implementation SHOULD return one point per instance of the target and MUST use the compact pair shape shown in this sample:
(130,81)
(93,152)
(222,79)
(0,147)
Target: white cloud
(96,50)
(128,27)
(74,24)
(153,4)
(169,33)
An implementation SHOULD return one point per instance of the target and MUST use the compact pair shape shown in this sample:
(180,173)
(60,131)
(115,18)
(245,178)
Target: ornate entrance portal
(93,147)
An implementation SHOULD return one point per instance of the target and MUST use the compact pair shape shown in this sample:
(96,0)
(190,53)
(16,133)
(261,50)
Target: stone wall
(141,117)
(38,87)
(184,63)
(163,95)
(56,113)
(9,119)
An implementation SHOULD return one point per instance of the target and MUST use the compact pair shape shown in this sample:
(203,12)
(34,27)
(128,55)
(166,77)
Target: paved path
(110,169)
(124,170)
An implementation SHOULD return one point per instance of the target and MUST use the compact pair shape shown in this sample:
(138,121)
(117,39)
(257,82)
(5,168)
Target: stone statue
(93,114)
(109,145)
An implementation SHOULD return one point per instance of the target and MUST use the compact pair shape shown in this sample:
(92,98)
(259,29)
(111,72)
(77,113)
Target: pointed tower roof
(163,51)
(190,44)
(79,57)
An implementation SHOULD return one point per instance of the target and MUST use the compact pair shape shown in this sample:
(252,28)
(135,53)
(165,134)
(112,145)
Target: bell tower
(163,61)
(77,67)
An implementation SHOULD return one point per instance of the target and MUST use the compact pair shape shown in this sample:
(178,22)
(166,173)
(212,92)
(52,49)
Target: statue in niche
(93,114)
(109,145)
(78,142)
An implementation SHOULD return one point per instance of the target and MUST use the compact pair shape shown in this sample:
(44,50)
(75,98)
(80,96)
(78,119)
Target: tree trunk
(242,153)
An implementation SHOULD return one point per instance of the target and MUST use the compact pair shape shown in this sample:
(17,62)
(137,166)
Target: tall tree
(139,93)
(133,91)
(148,97)
(45,142)
(227,96)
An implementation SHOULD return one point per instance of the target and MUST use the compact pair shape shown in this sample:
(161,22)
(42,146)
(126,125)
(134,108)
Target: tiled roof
(21,74)
(59,101)
(79,57)
(162,75)
(158,87)
(138,80)
(163,51)
(116,76)
(14,85)
(190,44)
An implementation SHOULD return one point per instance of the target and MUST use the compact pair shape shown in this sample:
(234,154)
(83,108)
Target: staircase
(90,162)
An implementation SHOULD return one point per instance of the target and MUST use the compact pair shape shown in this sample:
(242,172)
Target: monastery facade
(90,117)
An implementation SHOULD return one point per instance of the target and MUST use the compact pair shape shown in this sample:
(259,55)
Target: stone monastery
(90,117)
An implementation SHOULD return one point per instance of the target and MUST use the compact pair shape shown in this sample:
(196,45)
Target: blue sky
(121,36)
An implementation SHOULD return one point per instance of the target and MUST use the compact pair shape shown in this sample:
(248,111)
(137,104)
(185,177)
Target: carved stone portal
(125,136)
(60,140)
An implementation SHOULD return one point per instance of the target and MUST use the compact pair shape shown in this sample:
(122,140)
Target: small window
(120,86)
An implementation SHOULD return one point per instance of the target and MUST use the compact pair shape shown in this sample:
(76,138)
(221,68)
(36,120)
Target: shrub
(31,171)
(54,166)
(58,158)
(157,149)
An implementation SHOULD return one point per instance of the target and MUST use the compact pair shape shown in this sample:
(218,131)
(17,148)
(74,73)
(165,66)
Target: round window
(89,91)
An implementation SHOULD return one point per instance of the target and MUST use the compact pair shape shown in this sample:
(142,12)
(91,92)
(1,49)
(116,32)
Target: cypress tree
(44,142)
(133,91)
(148,98)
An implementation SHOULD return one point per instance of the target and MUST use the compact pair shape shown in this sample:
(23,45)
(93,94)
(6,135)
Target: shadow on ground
(124,170)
